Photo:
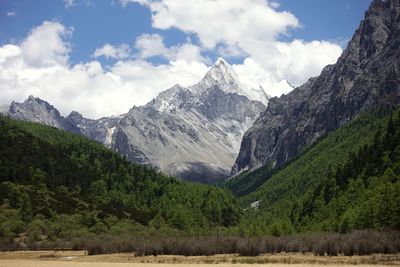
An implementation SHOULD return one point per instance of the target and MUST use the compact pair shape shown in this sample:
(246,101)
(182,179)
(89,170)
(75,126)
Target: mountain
(61,190)
(223,76)
(36,110)
(193,133)
(366,75)
(100,130)
(346,180)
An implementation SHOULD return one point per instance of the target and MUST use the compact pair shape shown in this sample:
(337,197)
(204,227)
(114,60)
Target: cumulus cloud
(39,66)
(298,60)
(222,21)
(245,29)
(11,13)
(151,45)
(110,51)
(45,45)
(248,29)
(254,76)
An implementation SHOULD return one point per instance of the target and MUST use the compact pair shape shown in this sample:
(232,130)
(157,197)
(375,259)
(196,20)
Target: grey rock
(100,130)
(365,76)
(37,110)
(195,132)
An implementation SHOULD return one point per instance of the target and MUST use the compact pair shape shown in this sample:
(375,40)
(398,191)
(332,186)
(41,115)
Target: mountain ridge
(195,125)
(37,110)
(366,75)
(184,131)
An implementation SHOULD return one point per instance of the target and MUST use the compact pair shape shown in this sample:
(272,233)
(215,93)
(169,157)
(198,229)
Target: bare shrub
(362,242)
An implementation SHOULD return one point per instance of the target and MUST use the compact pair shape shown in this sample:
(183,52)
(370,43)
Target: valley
(216,171)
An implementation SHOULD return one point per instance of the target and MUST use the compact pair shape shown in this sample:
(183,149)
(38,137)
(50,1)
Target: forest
(61,190)
(56,185)
(347,180)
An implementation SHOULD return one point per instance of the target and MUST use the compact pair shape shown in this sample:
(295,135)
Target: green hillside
(348,180)
(57,185)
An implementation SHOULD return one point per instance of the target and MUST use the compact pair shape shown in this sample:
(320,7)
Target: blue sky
(118,42)
(107,21)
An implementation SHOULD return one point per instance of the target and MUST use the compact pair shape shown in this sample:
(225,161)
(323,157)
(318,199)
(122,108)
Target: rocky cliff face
(100,130)
(195,132)
(37,110)
(366,75)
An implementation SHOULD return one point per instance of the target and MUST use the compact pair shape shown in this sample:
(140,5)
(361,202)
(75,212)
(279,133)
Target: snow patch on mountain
(223,76)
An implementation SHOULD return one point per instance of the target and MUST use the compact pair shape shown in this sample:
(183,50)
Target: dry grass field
(80,259)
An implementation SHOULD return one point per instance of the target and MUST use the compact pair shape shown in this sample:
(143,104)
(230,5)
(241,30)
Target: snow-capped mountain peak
(222,73)
(223,76)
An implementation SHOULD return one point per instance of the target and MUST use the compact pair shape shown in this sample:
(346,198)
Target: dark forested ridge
(348,180)
(57,185)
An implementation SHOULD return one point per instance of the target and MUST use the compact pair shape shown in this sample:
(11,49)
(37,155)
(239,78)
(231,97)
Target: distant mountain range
(191,132)
(196,132)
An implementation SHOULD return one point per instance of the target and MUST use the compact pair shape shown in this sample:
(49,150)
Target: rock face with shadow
(192,132)
(365,76)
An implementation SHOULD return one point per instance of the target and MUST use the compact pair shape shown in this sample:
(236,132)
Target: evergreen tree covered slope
(348,180)
(60,185)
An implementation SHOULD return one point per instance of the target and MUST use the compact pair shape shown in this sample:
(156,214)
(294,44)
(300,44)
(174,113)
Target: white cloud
(45,46)
(11,13)
(188,52)
(250,29)
(87,87)
(299,59)
(253,75)
(109,51)
(71,3)
(274,5)
(231,51)
(223,21)
(151,45)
